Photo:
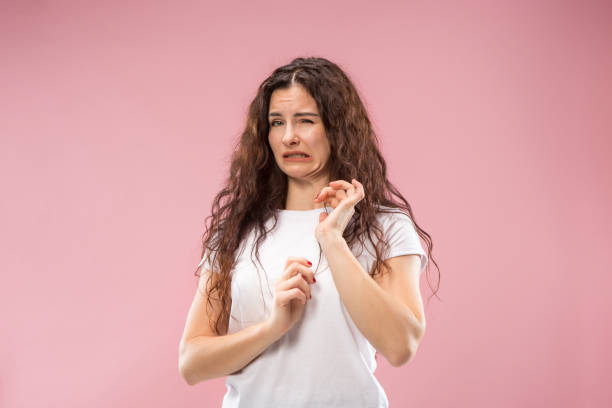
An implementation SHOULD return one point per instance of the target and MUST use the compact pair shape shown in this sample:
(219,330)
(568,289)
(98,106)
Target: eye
(303,120)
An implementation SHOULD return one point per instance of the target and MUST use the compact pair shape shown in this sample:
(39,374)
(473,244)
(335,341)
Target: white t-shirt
(323,360)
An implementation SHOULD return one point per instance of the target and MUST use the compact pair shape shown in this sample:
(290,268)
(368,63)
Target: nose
(290,134)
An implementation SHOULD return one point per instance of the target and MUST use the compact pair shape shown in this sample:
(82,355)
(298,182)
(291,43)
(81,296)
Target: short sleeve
(402,237)
(206,263)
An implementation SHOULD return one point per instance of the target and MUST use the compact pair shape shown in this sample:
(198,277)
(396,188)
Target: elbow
(408,349)
(402,358)
(185,375)
(183,366)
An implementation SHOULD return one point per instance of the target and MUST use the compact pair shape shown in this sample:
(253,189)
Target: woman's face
(295,124)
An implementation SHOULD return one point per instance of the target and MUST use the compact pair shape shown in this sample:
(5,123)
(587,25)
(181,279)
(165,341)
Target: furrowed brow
(298,114)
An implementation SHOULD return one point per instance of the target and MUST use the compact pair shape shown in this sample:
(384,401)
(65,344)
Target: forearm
(204,357)
(389,325)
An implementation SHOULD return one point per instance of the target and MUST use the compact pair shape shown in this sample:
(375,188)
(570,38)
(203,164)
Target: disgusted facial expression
(296,125)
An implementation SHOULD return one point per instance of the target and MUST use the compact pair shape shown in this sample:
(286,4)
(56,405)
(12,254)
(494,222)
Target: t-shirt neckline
(304,213)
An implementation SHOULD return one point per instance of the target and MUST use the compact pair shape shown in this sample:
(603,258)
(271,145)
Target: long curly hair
(256,187)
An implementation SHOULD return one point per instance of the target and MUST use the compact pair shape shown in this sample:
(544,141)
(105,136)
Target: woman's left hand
(342,196)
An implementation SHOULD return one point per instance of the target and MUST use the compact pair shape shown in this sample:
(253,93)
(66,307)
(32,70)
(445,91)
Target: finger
(338,197)
(297,281)
(359,187)
(306,272)
(286,296)
(293,263)
(297,269)
(301,283)
(341,184)
(343,187)
(351,190)
(292,259)
(341,195)
(326,192)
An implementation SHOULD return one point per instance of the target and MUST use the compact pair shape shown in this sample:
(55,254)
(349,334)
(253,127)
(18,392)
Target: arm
(388,323)
(204,355)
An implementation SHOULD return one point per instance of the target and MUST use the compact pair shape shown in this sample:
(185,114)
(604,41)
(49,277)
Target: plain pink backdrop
(116,124)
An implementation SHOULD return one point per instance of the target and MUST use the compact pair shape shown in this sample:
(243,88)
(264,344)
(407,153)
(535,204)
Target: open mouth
(303,155)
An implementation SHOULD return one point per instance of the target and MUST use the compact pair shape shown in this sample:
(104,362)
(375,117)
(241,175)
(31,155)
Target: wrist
(327,239)
(269,331)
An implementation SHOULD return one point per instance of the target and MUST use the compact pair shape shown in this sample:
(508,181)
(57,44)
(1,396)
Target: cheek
(323,143)
(319,138)
(272,142)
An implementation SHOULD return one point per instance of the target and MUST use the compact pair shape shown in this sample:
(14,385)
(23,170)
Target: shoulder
(389,215)
(397,225)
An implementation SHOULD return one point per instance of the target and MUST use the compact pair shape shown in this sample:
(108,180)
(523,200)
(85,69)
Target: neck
(301,193)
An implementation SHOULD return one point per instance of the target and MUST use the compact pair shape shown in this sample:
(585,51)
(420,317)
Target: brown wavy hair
(256,187)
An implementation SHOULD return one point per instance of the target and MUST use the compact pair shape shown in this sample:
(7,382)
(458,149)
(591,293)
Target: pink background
(117,119)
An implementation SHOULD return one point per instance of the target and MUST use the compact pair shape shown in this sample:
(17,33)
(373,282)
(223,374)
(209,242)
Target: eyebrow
(298,114)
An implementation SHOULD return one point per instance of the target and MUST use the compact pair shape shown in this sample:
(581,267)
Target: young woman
(309,268)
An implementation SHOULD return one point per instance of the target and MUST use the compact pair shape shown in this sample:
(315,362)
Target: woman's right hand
(291,293)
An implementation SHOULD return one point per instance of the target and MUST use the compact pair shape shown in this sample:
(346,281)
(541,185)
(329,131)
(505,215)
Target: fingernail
(314,279)
(309,263)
